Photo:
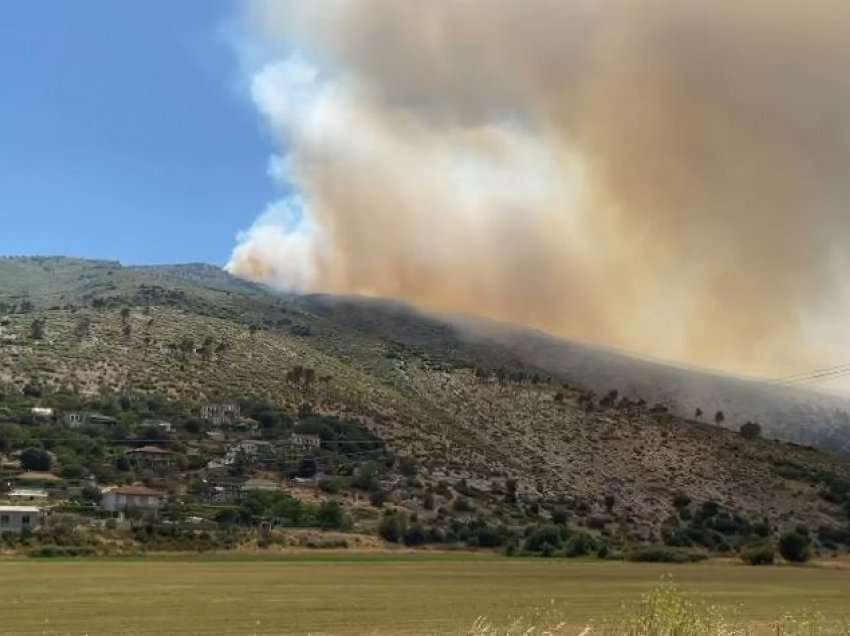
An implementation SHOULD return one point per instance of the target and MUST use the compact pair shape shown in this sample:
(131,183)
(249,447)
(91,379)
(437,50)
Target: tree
(580,544)
(377,498)
(545,536)
(37,329)
(750,430)
(560,516)
(187,346)
(719,418)
(36,459)
(415,535)
(331,515)
(407,467)
(82,327)
(428,502)
(511,491)
(392,527)
(794,547)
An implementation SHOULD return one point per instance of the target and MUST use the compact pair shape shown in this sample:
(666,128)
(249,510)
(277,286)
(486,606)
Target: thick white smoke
(664,176)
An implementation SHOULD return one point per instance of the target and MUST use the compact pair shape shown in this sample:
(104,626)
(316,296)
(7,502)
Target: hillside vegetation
(478,444)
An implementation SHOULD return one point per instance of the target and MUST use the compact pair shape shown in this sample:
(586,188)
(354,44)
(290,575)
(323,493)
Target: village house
(122,498)
(167,427)
(18,519)
(76,419)
(222,490)
(266,485)
(42,413)
(28,494)
(152,457)
(304,442)
(218,414)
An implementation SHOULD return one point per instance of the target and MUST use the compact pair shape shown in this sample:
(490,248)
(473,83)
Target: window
(4,520)
(25,520)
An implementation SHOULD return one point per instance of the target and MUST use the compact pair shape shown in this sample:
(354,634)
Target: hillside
(495,417)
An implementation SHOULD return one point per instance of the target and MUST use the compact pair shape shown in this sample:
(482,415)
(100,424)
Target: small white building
(123,498)
(28,494)
(19,518)
(160,424)
(41,412)
(77,419)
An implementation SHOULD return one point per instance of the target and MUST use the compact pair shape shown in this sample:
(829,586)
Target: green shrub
(758,554)
(377,498)
(462,504)
(392,527)
(415,535)
(795,547)
(35,459)
(579,544)
(549,535)
(659,554)
(560,516)
(331,515)
(330,485)
(55,551)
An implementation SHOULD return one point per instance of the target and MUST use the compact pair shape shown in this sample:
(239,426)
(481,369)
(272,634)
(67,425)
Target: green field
(329,594)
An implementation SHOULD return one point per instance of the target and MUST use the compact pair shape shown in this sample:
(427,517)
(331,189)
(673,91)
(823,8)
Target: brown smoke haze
(666,176)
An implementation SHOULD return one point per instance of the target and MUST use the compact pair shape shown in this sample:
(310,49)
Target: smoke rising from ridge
(663,176)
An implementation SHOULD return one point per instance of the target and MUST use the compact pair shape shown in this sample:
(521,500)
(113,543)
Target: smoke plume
(664,176)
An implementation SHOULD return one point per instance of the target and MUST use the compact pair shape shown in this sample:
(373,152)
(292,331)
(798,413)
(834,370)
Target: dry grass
(409,595)
(666,611)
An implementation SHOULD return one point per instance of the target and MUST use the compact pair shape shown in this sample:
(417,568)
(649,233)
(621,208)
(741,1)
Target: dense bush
(656,554)
(415,535)
(758,554)
(331,515)
(48,551)
(392,527)
(580,544)
(36,459)
(548,536)
(795,547)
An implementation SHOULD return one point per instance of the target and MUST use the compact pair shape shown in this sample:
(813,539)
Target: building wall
(16,521)
(113,501)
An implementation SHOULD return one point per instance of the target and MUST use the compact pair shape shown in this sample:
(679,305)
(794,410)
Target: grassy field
(329,594)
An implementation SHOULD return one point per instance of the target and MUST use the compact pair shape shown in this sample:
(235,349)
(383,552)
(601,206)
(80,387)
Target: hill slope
(463,400)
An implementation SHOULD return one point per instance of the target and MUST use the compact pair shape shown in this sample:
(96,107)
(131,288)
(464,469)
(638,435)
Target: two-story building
(152,457)
(122,498)
(305,442)
(218,414)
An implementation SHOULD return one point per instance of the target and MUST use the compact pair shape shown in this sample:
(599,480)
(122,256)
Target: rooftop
(20,509)
(153,450)
(142,491)
(34,475)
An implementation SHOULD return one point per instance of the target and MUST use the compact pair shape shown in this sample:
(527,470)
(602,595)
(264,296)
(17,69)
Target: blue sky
(124,132)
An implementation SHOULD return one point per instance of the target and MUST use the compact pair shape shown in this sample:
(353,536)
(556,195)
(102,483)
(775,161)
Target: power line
(813,375)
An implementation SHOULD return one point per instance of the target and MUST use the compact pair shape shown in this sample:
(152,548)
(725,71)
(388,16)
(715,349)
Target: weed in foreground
(665,611)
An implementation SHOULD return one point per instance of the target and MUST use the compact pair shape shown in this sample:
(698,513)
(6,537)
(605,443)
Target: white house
(161,424)
(41,412)
(76,419)
(19,518)
(122,498)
